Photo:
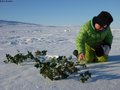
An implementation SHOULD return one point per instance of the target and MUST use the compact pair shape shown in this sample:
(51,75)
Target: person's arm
(80,43)
(105,47)
(109,37)
(107,42)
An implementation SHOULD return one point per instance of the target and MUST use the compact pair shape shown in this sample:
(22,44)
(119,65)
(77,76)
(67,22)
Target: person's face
(98,27)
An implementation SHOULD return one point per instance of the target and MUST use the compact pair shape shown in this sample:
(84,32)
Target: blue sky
(58,12)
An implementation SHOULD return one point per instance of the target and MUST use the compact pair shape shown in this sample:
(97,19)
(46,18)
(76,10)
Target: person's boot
(75,52)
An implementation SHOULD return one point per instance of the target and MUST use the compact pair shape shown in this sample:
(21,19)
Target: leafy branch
(57,68)
(18,58)
(53,68)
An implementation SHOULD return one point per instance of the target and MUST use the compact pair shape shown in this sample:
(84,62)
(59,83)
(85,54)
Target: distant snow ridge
(5,22)
(24,40)
(19,40)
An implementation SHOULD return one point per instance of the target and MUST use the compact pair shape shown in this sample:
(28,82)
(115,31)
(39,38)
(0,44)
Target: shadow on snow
(103,71)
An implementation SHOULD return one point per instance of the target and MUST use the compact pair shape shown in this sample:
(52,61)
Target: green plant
(85,76)
(54,68)
(57,68)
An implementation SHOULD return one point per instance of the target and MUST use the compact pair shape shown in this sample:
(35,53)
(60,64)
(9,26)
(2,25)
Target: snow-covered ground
(57,40)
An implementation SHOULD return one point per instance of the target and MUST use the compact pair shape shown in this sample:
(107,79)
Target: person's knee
(103,58)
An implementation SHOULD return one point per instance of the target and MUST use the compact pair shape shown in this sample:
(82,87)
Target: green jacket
(88,35)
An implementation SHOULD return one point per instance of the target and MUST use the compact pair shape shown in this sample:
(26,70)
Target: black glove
(102,49)
(75,52)
(99,51)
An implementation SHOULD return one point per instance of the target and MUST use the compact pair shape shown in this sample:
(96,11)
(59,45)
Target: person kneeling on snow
(94,39)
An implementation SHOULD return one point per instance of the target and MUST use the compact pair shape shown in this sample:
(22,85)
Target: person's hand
(81,56)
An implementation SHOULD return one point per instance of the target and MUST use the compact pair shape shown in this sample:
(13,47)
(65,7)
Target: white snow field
(57,40)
